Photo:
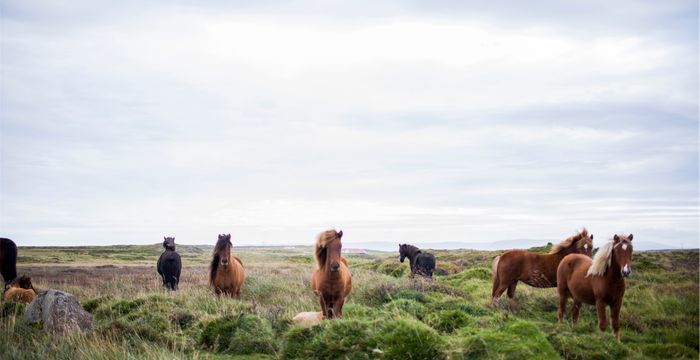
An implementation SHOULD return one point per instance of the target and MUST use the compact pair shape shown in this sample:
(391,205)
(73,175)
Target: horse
(421,263)
(19,290)
(538,270)
(599,282)
(169,264)
(226,272)
(331,281)
(8,260)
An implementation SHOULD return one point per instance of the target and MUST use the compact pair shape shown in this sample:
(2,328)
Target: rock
(308,317)
(59,311)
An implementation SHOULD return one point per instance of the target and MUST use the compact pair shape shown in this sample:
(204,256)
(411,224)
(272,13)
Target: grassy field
(388,315)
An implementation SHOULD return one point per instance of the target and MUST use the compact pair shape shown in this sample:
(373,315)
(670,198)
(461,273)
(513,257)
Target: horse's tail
(8,254)
(494,270)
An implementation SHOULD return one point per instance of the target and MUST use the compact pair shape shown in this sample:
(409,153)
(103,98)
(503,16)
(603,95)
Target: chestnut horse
(599,282)
(19,290)
(538,270)
(331,280)
(226,272)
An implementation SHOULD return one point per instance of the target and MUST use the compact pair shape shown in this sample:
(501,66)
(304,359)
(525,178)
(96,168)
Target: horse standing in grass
(226,272)
(331,281)
(421,263)
(8,260)
(538,270)
(19,290)
(599,282)
(169,264)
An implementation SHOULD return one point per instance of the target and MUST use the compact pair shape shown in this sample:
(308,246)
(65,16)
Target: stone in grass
(308,318)
(59,311)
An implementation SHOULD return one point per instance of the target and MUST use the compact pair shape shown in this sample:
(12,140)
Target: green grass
(387,316)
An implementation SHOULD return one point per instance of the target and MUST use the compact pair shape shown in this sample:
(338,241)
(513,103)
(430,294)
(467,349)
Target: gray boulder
(59,311)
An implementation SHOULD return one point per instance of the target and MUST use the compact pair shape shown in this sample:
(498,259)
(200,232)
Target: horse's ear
(340,234)
(165,238)
(630,237)
(616,238)
(228,236)
(591,236)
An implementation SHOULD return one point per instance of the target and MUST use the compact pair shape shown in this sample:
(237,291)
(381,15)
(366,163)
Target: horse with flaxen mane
(8,260)
(169,264)
(421,263)
(538,270)
(19,290)
(226,272)
(599,282)
(331,281)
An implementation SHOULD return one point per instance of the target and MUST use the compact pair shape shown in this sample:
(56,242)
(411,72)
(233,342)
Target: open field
(388,315)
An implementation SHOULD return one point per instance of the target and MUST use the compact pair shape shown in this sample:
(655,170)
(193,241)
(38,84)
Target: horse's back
(15,294)
(572,277)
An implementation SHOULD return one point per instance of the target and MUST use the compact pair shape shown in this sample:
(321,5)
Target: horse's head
(622,253)
(24,282)
(402,252)
(328,249)
(223,249)
(169,243)
(585,245)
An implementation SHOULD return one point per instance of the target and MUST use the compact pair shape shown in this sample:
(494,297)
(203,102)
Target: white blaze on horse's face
(624,247)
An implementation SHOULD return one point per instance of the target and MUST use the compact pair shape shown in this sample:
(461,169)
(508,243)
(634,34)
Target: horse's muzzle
(626,271)
(224,263)
(335,267)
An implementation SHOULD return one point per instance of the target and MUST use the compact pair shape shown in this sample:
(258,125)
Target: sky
(407,121)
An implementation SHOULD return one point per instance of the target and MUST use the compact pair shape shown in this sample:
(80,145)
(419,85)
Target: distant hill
(639,245)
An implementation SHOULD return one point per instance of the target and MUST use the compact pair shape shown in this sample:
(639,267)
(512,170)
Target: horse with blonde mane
(331,281)
(538,270)
(19,290)
(226,272)
(599,282)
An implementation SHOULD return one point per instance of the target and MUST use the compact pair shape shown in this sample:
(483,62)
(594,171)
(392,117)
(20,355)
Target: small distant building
(354,251)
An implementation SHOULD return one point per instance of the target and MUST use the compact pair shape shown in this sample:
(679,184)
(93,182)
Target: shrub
(350,339)
(400,338)
(668,351)
(238,334)
(448,320)
(297,342)
(406,306)
(594,345)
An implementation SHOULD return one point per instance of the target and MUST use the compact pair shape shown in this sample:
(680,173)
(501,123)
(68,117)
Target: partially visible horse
(169,264)
(226,272)
(19,290)
(331,281)
(8,259)
(422,263)
(599,282)
(538,270)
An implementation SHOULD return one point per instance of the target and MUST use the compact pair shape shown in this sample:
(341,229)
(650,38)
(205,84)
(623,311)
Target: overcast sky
(125,121)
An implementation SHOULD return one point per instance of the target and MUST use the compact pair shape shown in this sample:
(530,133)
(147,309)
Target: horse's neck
(614,271)
(412,256)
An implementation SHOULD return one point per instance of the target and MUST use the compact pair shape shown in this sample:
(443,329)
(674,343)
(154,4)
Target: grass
(387,316)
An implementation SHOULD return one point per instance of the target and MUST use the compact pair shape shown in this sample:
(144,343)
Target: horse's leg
(338,307)
(324,307)
(602,318)
(615,318)
(563,298)
(511,296)
(499,286)
(575,312)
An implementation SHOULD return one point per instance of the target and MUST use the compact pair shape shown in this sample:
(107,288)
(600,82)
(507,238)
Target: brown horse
(599,282)
(19,290)
(8,260)
(226,272)
(538,270)
(331,280)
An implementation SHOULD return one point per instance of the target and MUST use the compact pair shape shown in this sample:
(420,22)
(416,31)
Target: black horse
(421,263)
(8,260)
(169,264)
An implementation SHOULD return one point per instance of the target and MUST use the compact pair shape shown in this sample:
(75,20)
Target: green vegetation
(388,315)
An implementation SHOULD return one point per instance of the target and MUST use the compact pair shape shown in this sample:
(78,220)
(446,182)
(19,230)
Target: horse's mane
(602,259)
(214,266)
(571,240)
(413,250)
(321,241)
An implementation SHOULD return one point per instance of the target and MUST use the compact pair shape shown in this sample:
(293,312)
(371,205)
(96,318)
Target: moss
(448,320)
(238,334)
(407,307)
(668,351)
(348,339)
(518,340)
(400,338)
(297,342)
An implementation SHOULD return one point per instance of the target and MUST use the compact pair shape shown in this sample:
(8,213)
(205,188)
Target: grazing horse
(19,290)
(421,263)
(8,260)
(169,264)
(226,272)
(538,270)
(331,281)
(599,282)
